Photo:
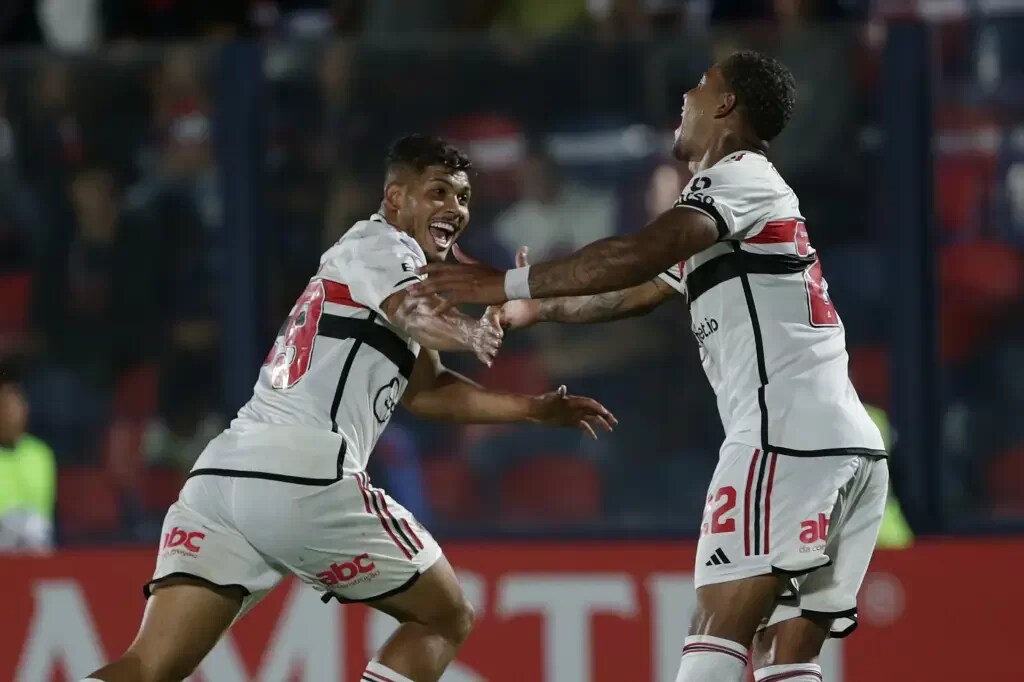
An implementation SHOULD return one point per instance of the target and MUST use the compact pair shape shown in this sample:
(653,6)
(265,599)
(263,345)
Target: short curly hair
(764,89)
(420,151)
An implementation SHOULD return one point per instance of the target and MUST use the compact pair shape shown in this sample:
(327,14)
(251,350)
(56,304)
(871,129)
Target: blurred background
(171,170)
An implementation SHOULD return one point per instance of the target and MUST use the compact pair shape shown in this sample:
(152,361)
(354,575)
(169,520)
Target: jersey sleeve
(378,264)
(730,195)
(674,278)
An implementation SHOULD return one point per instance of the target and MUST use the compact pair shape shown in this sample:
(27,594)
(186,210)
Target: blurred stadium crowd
(112,221)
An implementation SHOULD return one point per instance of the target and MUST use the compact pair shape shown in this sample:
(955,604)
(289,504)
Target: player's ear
(394,195)
(726,103)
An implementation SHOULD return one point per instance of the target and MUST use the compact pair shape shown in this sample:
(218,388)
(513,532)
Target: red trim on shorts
(705,647)
(394,523)
(768,502)
(336,292)
(746,503)
(791,674)
(415,538)
(362,488)
(363,479)
(375,677)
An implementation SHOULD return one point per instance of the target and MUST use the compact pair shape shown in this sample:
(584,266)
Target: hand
(486,336)
(514,314)
(521,313)
(466,282)
(560,409)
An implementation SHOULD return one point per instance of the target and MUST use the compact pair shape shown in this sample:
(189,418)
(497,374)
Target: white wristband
(517,283)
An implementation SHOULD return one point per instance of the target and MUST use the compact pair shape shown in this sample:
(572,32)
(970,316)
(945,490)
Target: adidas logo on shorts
(718,558)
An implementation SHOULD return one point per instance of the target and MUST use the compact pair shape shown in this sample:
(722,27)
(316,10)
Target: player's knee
(458,622)
(152,666)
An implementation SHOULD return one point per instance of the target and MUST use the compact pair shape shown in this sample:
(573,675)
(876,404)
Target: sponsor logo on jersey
(182,542)
(814,533)
(358,570)
(386,400)
(705,329)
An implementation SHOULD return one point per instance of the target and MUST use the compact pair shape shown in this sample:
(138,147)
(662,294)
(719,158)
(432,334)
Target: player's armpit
(618,263)
(612,305)
(450,330)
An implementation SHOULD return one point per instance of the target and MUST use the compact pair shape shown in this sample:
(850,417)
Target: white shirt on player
(770,340)
(337,369)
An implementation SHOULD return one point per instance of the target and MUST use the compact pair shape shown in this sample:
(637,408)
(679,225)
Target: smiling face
(431,205)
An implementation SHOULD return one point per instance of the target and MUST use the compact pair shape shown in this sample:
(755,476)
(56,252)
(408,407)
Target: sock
(378,672)
(711,659)
(792,672)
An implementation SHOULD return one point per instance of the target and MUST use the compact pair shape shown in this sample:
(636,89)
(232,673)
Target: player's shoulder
(746,176)
(374,235)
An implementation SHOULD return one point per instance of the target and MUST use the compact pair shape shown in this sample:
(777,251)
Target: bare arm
(612,264)
(618,263)
(435,392)
(612,305)
(451,330)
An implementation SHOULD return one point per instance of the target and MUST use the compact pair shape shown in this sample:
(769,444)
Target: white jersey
(771,342)
(337,369)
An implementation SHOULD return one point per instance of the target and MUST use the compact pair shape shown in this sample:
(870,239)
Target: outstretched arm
(610,264)
(435,392)
(612,305)
(451,330)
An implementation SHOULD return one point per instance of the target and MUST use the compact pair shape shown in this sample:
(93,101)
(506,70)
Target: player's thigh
(827,598)
(184,619)
(349,540)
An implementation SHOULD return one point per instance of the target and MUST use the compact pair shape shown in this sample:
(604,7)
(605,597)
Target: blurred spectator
(553,215)
(27,473)
(92,306)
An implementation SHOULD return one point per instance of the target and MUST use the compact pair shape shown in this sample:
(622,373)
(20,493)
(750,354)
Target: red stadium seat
(1006,483)
(15,291)
(159,488)
(516,373)
(869,371)
(87,502)
(452,488)
(554,489)
(136,392)
(122,450)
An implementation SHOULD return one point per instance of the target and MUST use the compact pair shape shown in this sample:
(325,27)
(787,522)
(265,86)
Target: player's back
(337,369)
(771,341)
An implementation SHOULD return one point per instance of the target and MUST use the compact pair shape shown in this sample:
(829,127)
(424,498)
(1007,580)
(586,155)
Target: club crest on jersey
(705,329)
(386,400)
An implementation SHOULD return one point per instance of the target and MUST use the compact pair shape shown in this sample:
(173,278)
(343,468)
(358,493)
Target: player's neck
(725,145)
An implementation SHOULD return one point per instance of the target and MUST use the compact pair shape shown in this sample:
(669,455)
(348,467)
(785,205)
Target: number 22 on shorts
(720,504)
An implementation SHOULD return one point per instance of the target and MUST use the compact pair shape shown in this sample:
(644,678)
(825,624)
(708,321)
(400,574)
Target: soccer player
(795,503)
(284,489)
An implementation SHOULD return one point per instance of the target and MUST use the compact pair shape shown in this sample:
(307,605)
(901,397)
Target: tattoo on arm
(618,263)
(613,305)
(450,331)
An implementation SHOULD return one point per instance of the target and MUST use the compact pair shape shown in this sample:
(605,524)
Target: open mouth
(443,233)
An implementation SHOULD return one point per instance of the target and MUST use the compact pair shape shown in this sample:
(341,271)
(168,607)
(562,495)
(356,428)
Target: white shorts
(347,539)
(814,519)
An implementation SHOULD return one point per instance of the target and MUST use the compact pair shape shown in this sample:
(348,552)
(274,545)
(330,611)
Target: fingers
(521,256)
(462,256)
(493,316)
(599,422)
(595,408)
(587,429)
(443,306)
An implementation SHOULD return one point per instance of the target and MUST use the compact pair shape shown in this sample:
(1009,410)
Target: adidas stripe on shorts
(814,519)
